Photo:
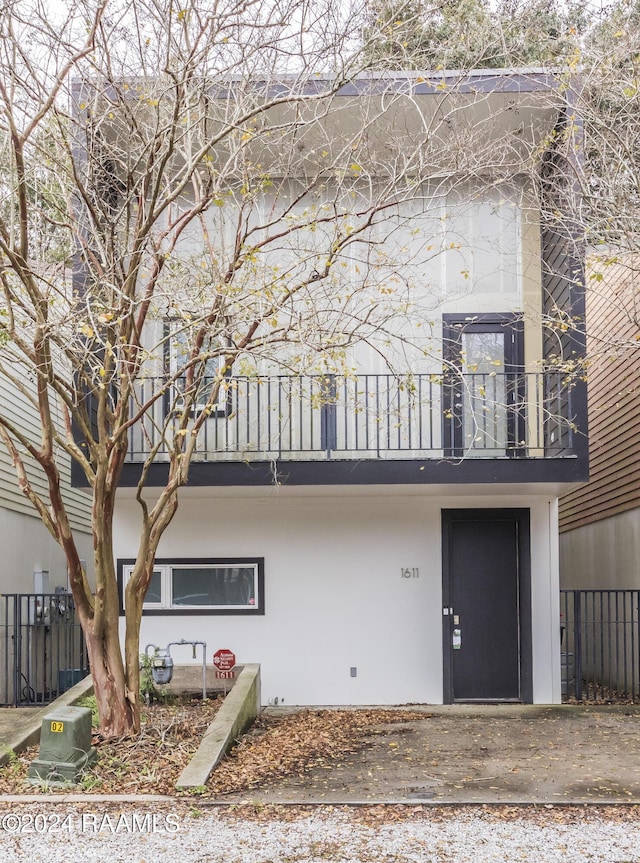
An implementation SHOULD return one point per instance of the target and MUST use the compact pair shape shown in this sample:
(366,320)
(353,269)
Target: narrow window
(207,370)
(484,385)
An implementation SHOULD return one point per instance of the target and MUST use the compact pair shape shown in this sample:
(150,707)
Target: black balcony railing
(368,416)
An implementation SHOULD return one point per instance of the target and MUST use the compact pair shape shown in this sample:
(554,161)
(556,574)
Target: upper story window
(482,246)
(483,399)
(207,371)
(202,586)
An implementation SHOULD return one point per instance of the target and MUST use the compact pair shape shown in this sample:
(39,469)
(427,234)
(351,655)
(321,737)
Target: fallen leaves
(291,745)
(376,816)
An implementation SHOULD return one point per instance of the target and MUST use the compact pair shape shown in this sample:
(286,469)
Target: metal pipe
(194,644)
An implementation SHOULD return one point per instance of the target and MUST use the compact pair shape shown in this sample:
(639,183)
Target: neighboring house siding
(26,546)
(614,406)
(16,408)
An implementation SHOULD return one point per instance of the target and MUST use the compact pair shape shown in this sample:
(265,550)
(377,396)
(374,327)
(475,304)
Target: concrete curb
(240,709)
(29,732)
(412,804)
(19,799)
(212,803)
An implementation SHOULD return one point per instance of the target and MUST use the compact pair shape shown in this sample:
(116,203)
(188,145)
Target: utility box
(68,677)
(65,747)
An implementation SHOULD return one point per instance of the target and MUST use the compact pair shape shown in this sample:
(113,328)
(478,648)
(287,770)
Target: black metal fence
(43,653)
(600,644)
(42,648)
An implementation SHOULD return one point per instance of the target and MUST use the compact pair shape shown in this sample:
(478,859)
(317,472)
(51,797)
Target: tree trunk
(117,717)
(118,707)
(105,658)
(133,616)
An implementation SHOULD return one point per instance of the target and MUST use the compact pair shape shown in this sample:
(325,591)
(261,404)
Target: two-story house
(384,530)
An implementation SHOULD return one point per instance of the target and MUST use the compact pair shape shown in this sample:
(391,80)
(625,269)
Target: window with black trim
(202,586)
(483,399)
(208,370)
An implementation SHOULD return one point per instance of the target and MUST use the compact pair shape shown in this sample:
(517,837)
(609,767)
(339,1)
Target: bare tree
(183,195)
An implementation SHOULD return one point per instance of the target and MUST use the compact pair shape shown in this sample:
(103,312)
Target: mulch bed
(147,764)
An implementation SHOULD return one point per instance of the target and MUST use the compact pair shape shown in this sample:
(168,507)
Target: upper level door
(483,400)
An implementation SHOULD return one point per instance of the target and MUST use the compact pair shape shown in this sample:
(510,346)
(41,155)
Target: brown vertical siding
(613,344)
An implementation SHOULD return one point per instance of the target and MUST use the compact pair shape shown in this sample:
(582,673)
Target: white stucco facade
(401,289)
(335,595)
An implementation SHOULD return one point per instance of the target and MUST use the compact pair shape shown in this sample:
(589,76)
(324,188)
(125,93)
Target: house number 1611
(410,572)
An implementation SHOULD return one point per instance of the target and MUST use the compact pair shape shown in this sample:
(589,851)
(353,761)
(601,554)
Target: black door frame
(522,517)
(453,326)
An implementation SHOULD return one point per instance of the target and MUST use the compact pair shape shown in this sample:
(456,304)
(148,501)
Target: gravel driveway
(191,835)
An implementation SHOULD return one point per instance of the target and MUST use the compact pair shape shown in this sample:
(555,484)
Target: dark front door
(486,605)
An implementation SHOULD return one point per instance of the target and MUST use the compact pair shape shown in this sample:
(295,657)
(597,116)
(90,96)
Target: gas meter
(161,665)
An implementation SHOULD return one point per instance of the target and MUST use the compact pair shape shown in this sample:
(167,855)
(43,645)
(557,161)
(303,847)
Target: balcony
(371,417)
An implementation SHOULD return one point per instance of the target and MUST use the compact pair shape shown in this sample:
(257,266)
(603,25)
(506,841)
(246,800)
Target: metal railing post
(577,642)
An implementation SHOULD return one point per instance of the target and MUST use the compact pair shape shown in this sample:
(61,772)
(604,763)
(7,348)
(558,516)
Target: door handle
(457,639)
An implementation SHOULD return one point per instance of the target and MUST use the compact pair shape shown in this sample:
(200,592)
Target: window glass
(483,352)
(232,585)
(484,390)
(484,413)
(154,592)
(180,350)
(481,246)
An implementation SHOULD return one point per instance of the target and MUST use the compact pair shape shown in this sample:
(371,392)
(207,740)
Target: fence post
(17,649)
(577,642)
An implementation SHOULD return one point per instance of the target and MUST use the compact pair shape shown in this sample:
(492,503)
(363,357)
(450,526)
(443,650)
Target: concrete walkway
(12,719)
(482,754)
